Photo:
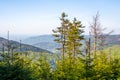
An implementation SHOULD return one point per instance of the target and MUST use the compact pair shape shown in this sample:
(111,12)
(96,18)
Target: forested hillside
(17,46)
(43,41)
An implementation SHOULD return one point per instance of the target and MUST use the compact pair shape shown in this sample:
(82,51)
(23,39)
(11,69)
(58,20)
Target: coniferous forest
(77,58)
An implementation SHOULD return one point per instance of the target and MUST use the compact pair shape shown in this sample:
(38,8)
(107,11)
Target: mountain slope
(42,41)
(16,46)
(47,41)
(37,39)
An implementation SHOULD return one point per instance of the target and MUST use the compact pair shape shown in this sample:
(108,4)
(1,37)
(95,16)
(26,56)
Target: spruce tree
(60,34)
(74,36)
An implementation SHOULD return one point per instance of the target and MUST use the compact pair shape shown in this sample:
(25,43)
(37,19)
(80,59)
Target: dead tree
(99,37)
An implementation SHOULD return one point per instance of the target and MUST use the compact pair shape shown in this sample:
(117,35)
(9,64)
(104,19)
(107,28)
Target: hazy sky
(37,17)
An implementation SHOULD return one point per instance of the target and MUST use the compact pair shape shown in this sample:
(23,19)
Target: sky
(39,17)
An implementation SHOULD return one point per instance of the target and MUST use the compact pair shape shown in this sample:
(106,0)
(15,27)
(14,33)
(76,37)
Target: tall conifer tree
(60,33)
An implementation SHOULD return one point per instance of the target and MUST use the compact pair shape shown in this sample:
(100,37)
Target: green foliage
(69,69)
(20,67)
(69,35)
(15,70)
(74,36)
(36,66)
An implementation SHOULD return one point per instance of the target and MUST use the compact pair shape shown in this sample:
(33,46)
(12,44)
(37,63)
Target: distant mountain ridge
(16,46)
(37,39)
(42,41)
(47,41)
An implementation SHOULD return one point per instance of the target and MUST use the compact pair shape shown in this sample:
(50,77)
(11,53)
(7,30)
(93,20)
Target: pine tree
(60,34)
(69,35)
(74,36)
